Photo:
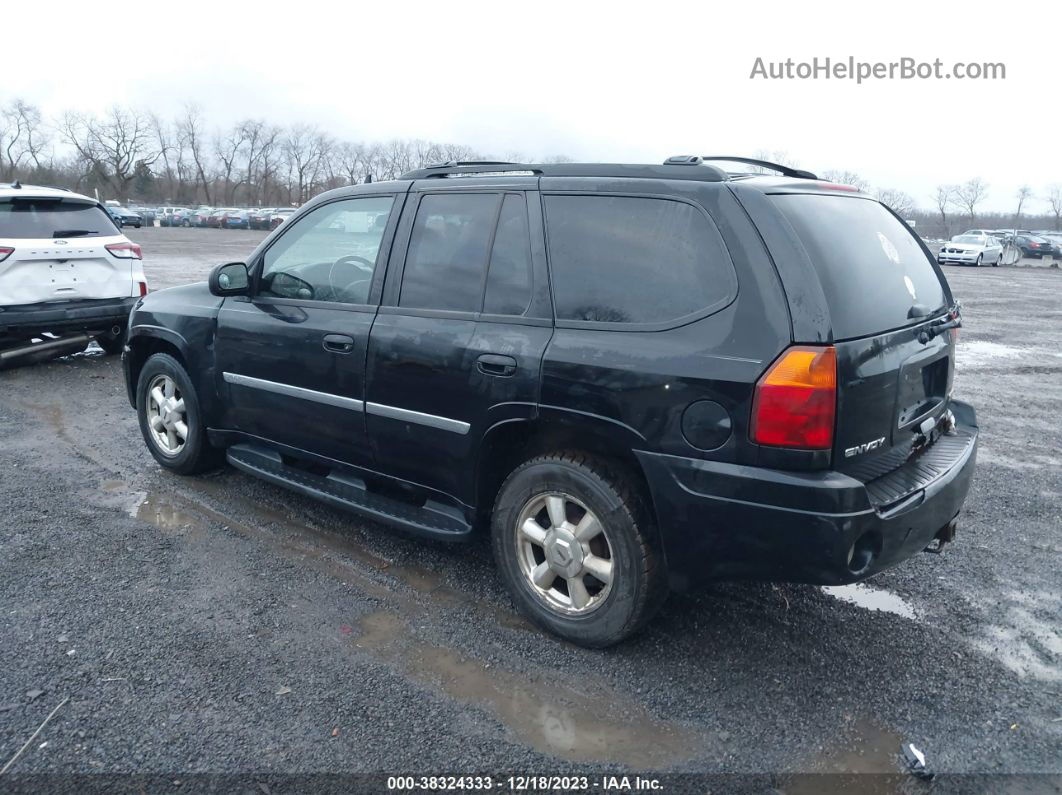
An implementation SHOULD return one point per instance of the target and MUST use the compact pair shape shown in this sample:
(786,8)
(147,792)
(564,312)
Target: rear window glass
(871,267)
(36,219)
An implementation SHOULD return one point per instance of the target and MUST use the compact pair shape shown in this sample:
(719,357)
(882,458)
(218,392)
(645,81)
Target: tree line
(136,156)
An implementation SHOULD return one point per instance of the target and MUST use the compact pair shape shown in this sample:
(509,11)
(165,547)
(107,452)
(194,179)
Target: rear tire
(165,396)
(615,579)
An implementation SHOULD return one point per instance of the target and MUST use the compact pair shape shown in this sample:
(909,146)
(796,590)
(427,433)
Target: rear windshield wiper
(73,232)
(929,332)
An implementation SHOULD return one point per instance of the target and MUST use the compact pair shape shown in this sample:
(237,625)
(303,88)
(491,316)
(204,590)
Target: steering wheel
(351,259)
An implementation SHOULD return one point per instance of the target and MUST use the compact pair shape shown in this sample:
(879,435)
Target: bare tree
(259,139)
(901,203)
(352,161)
(971,194)
(305,148)
(847,178)
(227,149)
(1054,198)
(164,143)
(22,138)
(1023,195)
(190,128)
(944,198)
(117,148)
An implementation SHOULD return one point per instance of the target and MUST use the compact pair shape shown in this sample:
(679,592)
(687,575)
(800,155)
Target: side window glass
(620,259)
(509,276)
(330,254)
(448,251)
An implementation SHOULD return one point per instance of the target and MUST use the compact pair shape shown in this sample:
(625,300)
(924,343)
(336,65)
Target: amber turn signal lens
(796,400)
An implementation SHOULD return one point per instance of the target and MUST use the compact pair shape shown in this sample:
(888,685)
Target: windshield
(968,239)
(37,219)
(872,268)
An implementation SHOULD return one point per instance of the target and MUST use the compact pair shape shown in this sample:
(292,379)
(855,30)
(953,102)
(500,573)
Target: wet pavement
(220,624)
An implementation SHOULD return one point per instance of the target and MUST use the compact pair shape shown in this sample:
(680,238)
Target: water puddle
(843,766)
(544,710)
(156,510)
(871,599)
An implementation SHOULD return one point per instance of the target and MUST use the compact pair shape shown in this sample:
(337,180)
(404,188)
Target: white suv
(67,273)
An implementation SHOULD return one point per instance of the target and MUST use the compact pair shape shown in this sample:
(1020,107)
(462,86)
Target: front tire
(980,259)
(574,543)
(170,419)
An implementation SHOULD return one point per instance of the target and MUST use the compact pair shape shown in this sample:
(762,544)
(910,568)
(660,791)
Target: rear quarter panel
(639,383)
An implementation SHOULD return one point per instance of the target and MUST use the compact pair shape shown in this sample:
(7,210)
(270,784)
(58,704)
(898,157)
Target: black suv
(638,377)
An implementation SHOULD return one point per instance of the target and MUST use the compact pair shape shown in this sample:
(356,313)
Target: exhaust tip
(863,552)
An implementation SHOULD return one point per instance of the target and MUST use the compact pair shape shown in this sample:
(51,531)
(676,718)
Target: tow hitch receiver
(945,535)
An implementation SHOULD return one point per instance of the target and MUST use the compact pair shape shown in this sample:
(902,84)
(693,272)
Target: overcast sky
(596,81)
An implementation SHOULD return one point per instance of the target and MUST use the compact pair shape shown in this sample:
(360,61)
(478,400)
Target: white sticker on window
(889,249)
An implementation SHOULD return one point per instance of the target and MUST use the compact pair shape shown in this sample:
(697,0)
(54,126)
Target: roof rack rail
(453,163)
(439,170)
(708,173)
(696,160)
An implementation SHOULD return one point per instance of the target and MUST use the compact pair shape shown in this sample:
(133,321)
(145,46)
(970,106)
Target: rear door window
(38,219)
(634,260)
(448,248)
(871,267)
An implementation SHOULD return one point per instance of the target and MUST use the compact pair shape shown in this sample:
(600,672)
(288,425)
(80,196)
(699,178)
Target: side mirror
(229,279)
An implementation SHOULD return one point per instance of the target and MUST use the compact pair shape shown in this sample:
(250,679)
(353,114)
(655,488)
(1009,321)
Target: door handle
(338,343)
(496,364)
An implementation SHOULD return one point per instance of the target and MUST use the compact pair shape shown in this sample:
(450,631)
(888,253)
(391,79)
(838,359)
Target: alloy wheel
(166,416)
(564,553)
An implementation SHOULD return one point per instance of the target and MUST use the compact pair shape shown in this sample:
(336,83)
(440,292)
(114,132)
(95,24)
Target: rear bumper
(25,321)
(720,521)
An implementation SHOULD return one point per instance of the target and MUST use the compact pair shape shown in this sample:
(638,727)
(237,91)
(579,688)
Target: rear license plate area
(923,387)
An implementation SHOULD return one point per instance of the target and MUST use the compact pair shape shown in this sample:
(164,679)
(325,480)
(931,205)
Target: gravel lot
(221,625)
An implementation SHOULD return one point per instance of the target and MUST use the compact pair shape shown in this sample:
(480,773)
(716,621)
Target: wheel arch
(509,443)
(143,343)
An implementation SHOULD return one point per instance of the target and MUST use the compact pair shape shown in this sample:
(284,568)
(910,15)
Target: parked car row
(265,218)
(1033,243)
(986,246)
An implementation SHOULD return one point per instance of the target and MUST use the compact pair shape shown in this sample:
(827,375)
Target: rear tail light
(796,400)
(125,250)
(5,252)
(143,288)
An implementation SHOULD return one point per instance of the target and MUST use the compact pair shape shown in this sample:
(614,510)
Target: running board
(341,490)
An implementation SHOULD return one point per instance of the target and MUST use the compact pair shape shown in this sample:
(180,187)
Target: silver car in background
(971,249)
